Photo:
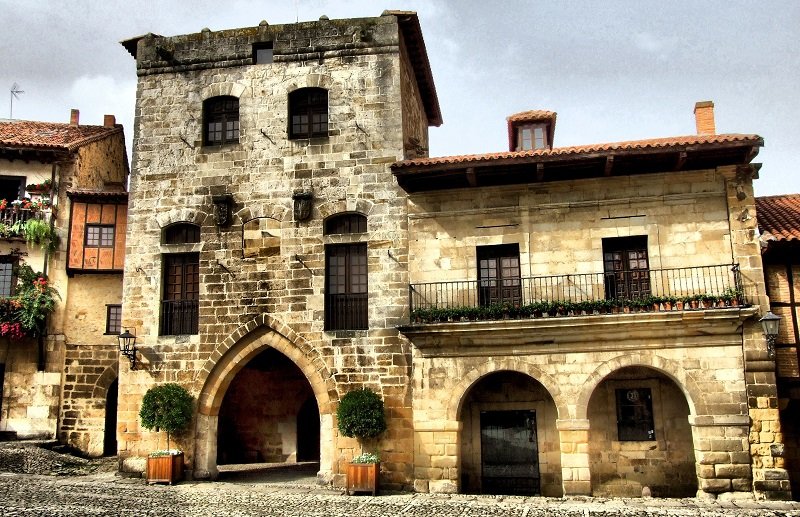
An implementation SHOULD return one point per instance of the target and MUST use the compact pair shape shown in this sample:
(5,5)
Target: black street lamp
(769,324)
(127,347)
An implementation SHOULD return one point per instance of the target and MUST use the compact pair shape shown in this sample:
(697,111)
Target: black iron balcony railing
(13,219)
(694,287)
(179,317)
(346,311)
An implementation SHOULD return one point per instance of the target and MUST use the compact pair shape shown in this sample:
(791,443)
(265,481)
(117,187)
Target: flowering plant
(38,187)
(366,457)
(3,204)
(165,452)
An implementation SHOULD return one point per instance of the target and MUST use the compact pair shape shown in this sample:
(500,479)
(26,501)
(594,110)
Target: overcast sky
(612,70)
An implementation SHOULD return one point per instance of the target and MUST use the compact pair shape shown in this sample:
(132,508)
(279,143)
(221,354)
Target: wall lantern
(127,347)
(222,209)
(769,324)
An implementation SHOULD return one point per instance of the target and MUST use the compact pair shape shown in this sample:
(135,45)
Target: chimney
(74,117)
(704,118)
(109,120)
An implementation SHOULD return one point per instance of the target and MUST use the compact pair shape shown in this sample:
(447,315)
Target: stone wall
(245,295)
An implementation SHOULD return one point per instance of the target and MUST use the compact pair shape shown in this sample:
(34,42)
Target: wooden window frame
(499,274)
(311,103)
(345,224)
(113,319)
(12,263)
(222,110)
(346,287)
(626,267)
(180,233)
(180,294)
(102,240)
(635,418)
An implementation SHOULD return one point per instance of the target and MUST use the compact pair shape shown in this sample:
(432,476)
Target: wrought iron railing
(12,219)
(718,285)
(346,311)
(179,317)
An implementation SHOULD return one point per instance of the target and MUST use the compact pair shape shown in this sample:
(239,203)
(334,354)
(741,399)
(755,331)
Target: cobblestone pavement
(107,494)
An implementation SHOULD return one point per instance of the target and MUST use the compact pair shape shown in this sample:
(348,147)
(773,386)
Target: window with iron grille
(635,415)
(308,113)
(99,236)
(345,223)
(113,319)
(499,274)
(179,306)
(346,287)
(221,120)
(625,264)
(8,280)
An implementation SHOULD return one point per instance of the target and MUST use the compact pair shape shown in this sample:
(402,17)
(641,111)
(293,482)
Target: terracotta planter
(165,469)
(362,477)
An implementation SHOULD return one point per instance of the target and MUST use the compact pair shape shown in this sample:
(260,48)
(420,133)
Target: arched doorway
(268,414)
(790,425)
(110,430)
(640,436)
(509,441)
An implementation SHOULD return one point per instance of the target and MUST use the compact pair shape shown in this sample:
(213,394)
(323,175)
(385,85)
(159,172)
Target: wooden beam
(472,179)
(609,165)
(681,161)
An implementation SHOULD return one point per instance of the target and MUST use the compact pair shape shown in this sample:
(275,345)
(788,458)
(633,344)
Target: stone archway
(228,360)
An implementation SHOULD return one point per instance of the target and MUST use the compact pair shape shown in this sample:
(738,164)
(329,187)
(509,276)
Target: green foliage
(34,301)
(366,457)
(39,232)
(360,414)
(167,407)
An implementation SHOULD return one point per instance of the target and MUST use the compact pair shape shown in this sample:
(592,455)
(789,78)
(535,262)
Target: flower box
(167,468)
(362,477)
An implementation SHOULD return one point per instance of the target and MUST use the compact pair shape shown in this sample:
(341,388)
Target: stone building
(521,313)
(779,227)
(66,181)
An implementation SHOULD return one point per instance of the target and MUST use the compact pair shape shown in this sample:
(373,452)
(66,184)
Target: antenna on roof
(15,91)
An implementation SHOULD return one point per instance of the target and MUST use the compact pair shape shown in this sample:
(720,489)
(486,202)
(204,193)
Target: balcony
(179,317)
(654,290)
(14,219)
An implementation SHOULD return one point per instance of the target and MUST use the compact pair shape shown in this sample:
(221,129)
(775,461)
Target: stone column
(770,478)
(436,449)
(575,472)
(721,450)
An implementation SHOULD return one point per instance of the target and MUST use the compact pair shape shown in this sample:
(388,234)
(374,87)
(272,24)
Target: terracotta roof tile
(51,135)
(532,115)
(779,217)
(653,143)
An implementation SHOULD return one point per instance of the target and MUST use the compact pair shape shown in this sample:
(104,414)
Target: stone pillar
(575,471)
(770,478)
(721,450)
(436,466)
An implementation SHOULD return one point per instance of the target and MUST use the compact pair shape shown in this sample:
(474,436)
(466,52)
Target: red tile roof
(26,134)
(779,216)
(529,116)
(633,145)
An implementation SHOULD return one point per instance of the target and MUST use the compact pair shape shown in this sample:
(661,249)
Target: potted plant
(166,407)
(361,415)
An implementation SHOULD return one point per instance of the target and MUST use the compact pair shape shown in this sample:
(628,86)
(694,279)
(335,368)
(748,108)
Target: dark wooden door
(626,268)
(509,453)
(499,274)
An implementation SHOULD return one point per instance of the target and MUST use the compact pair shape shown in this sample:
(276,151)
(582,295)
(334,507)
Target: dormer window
(531,136)
(531,130)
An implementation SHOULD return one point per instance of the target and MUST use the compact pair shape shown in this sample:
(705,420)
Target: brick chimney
(74,117)
(109,120)
(704,118)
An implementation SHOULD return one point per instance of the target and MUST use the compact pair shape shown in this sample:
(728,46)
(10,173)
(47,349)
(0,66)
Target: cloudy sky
(613,70)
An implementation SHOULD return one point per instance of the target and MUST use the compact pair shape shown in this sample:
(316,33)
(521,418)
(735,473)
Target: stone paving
(108,494)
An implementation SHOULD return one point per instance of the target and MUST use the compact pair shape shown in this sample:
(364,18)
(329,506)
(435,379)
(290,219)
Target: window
(181,233)
(531,136)
(12,187)
(499,274)
(113,319)
(627,273)
(635,415)
(179,306)
(262,53)
(346,286)
(100,236)
(346,223)
(308,113)
(8,280)
(221,120)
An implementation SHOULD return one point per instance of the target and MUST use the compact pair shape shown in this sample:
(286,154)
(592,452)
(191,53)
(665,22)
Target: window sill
(218,148)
